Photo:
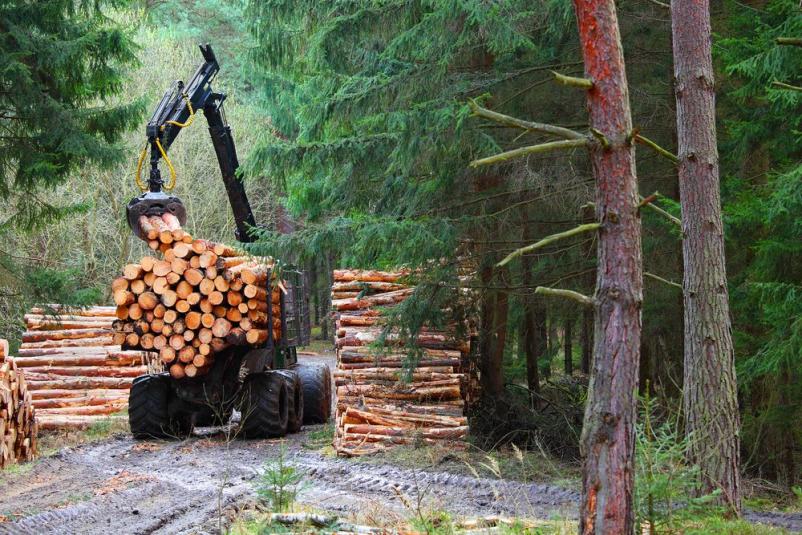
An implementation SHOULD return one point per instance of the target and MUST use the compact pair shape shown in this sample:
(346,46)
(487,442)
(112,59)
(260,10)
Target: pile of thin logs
(76,375)
(381,400)
(17,422)
(197,300)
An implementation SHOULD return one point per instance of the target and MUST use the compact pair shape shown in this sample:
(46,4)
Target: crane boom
(176,110)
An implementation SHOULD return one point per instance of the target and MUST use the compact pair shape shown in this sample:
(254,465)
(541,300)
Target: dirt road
(123,486)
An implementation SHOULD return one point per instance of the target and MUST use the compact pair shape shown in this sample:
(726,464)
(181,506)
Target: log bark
(710,402)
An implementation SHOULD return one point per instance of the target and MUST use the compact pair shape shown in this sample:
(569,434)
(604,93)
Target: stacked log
(76,375)
(196,301)
(382,400)
(17,422)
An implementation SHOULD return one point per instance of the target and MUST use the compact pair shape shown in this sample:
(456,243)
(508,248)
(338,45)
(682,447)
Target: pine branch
(588,227)
(532,149)
(506,120)
(655,147)
(572,81)
(781,85)
(567,294)
(661,279)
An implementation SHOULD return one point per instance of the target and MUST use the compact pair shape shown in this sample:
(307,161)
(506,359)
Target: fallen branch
(548,240)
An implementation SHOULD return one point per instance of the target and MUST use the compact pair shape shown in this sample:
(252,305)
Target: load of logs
(76,375)
(381,400)
(17,423)
(197,300)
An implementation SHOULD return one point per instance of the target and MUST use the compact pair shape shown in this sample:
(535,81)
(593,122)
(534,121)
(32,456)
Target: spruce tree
(62,63)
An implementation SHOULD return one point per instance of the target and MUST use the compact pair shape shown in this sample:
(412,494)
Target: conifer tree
(62,63)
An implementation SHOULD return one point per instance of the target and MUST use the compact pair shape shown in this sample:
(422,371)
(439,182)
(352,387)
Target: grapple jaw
(153,203)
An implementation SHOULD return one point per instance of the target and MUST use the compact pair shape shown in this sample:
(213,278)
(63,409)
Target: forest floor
(106,482)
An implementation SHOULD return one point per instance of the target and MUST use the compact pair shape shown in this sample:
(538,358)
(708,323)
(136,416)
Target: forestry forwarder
(274,393)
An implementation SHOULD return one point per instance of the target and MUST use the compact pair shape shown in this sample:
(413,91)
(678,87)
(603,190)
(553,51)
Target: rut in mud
(124,486)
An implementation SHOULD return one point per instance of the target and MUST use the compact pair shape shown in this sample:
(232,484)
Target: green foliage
(63,64)
(280,483)
(763,199)
(664,483)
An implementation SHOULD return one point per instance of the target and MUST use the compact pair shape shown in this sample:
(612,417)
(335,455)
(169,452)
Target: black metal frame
(173,109)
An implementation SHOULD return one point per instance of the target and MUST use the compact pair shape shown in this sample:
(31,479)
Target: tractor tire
(264,406)
(147,407)
(295,395)
(316,385)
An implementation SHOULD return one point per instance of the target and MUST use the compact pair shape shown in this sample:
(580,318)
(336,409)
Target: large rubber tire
(264,406)
(316,384)
(295,394)
(147,407)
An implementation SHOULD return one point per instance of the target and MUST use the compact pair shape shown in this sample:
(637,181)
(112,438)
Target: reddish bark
(608,433)
(710,389)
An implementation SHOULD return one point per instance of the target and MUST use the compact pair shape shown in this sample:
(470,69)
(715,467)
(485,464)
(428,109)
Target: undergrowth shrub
(664,481)
(280,483)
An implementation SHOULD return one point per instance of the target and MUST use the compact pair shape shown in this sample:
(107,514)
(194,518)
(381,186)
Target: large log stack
(17,422)
(197,300)
(76,375)
(380,402)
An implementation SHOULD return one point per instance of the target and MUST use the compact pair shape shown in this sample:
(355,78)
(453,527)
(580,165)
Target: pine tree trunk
(710,390)
(568,346)
(608,432)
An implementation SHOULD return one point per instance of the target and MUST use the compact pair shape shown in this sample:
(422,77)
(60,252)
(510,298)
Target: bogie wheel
(147,407)
(295,395)
(316,384)
(264,406)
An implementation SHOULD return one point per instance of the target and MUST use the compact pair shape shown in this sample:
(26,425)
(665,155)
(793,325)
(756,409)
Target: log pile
(380,402)
(197,300)
(17,423)
(76,375)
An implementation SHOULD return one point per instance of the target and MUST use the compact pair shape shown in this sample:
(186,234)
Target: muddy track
(124,486)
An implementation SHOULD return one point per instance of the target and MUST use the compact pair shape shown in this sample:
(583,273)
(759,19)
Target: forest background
(353,121)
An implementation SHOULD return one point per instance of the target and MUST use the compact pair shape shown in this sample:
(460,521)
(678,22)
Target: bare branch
(790,41)
(660,211)
(558,131)
(572,81)
(532,149)
(568,294)
(655,147)
(789,87)
(588,227)
(661,279)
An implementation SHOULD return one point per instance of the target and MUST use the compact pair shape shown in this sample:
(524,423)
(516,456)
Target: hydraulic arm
(175,111)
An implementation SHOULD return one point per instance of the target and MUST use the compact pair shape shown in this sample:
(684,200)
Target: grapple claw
(150,204)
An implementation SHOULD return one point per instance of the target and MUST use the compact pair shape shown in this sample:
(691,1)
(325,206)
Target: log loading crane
(274,392)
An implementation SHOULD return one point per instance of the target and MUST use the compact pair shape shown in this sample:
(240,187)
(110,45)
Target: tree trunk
(530,327)
(568,365)
(710,389)
(608,432)
(587,340)
(550,331)
(499,343)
